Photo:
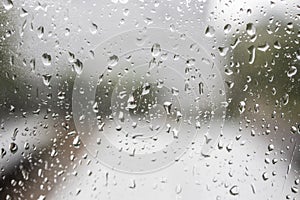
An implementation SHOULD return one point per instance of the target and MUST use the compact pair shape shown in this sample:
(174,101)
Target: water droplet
(8,4)
(174,91)
(167,106)
(265,176)
(46,79)
(40,31)
(46,58)
(270,147)
(13,147)
(210,31)
(155,50)
(292,71)
(234,190)
(242,107)
(3,152)
(264,47)
(178,189)
(227,28)
(94,28)
(201,86)
(251,51)
(131,103)
(146,89)
(191,62)
(76,142)
(132,184)
(78,66)
(250,29)
(32,64)
(113,60)
(294,189)
(223,51)
(277,45)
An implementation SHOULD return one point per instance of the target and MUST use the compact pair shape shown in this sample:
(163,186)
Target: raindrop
(76,142)
(40,31)
(294,189)
(201,86)
(270,147)
(146,89)
(8,4)
(46,58)
(32,64)
(227,28)
(223,51)
(155,50)
(93,28)
(242,107)
(191,62)
(292,71)
(210,31)
(167,106)
(234,190)
(78,66)
(113,60)
(3,152)
(265,176)
(46,79)
(250,29)
(174,91)
(13,147)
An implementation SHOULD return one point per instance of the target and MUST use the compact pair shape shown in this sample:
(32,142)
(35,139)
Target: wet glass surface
(149,99)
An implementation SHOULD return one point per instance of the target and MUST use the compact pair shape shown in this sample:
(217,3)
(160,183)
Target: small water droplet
(242,106)
(113,60)
(46,58)
(227,28)
(94,28)
(292,71)
(174,91)
(78,66)
(155,50)
(13,147)
(234,190)
(46,79)
(210,31)
(265,176)
(201,88)
(146,89)
(40,31)
(167,106)
(250,29)
(8,4)
(223,51)
(76,142)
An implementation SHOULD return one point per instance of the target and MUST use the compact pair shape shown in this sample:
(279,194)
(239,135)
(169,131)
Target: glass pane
(149,99)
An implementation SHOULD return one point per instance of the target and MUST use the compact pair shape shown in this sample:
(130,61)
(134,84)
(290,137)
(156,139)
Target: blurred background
(251,50)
